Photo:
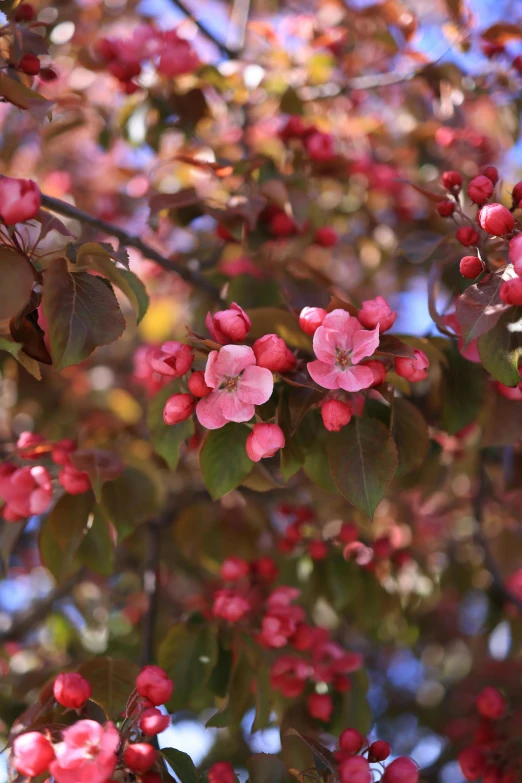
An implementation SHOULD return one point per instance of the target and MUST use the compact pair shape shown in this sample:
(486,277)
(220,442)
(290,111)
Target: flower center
(342,357)
(92,750)
(230,384)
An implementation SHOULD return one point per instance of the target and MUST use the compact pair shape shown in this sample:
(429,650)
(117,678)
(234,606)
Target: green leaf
(274,320)
(188,653)
(99,464)
(410,433)
(363,460)
(17,352)
(223,458)
(220,676)
(181,764)
(63,531)
(291,103)
(96,550)
(316,465)
(360,716)
(92,255)
(500,349)
(112,681)
(167,439)
(250,292)
(17,276)
(238,697)
(82,313)
(462,391)
(131,499)
(266,768)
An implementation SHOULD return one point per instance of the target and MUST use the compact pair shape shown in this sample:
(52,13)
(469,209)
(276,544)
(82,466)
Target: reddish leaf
(480,307)
(17,276)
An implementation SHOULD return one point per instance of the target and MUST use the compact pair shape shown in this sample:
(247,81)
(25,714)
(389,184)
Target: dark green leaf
(112,681)
(265,768)
(238,697)
(224,461)
(63,531)
(96,550)
(167,439)
(130,499)
(181,764)
(500,349)
(410,433)
(188,653)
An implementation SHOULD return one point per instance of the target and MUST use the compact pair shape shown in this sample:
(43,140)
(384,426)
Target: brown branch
(36,614)
(68,210)
(207,32)
(489,561)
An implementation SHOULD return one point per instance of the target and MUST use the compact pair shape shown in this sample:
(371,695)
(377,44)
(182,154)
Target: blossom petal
(365,343)
(234,409)
(255,385)
(209,411)
(337,329)
(354,379)
(212,379)
(326,375)
(233,359)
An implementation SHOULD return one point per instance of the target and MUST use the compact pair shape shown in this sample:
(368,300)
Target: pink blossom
(467,235)
(74,481)
(177,56)
(197,385)
(234,568)
(377,312)
(71,690)
(32,754)
(470,352)
(153,684)
(340,343)
(511,291)
(87,753)
(230,606)
(320,146)
(153,721)
(289,674)
(320,706)
(414,369)
(238,386)
(229,326)
(264,441)
(19,200)
(26,491)
(355,769)
(281,619)
(480,189)
(329,659)
(139,757)
(173,359)
(221,772)
(29,445)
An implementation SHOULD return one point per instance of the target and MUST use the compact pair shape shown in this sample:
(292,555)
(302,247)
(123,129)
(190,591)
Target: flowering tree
(261,280)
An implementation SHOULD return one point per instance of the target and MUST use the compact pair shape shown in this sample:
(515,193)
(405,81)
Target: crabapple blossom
(467,235)
(178,408)
(139,757)
(152,721)
(340,343)
(282,225)
(25,491)
(335,414)
(29,445)
(320,706)
(495,219)
(234,568)
(154,684)
(320,146)
(311,319)
(491,173)
(19,200)
(295,128)
(197,386)
(264,441)
(173,359)
(272,352)
(221,772)
(289,674)
(471,267)
(414,369)
(177,56)
(517,193)
(29,64)
(87,753)
(32,754)
(71,690)
(377,312)
(74,481)
(24,13)
(230,606)
(228,326)
(238,386)
(355,769)
(378,369)
(480,189)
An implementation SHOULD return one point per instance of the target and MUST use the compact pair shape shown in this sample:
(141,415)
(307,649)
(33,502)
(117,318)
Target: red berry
(471,267)
(467,235)
(446,208)
(139,757)
(452,180)
(351,741)
(24,13)
(491,173)
(379,751)
(30,64)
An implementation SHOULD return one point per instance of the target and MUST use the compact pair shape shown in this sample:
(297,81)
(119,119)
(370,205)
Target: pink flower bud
(351,741)
(326,237)
(491,173)
(264,441)
(197,385)
(452,180)
(221,772)
(480,189)
(378,369)
(272,352)
(320,706)
(29,64)
(413,369)
(32,754)
(62,451)
(311,319)
(71,690)
(467,235)
(139,757)
(355,769)
(490,703)
(336,414)
(24,13)
(153,684)
(471,267)
(401,770)
(515,253)
(517,194)
(320,146)
(233,569)
(379,751)
(229,606)
(173,359)
(295,128)
(19,200)
(472,762)
(28,444)
(229,326)
(282,225)
(317,550)
(74,481)
(511,291)
(178,408)
(153,721)
(496,220)
(377,312)
(446,208)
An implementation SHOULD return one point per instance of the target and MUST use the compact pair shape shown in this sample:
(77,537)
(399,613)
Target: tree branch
(68,210)
(489,561)
(36,614)
(223,48)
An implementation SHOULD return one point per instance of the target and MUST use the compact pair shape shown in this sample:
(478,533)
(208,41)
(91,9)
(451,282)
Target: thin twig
(223,48)
(68,210)
(489,561)
(36,614)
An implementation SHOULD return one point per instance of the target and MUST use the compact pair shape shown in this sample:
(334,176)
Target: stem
(67,210)
(151,588)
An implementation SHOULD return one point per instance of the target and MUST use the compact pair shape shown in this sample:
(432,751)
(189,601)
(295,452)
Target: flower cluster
(355,754)
(171,55)
(489,756)
(88,752)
